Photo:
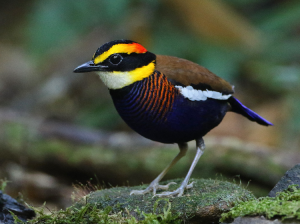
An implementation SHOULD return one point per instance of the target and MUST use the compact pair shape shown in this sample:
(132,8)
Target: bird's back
(185,72)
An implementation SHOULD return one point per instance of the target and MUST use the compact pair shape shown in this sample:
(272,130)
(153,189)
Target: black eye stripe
(128,62)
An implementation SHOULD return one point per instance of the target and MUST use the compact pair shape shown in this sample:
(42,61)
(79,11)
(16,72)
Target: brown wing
(188,73)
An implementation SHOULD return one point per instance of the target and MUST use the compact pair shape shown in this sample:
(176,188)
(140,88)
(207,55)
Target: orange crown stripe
(120,48)
(136,48)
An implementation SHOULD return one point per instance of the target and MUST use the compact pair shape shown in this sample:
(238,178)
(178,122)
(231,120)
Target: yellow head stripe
(120,48)
(139,73)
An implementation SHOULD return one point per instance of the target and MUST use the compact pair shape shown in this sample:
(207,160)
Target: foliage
(286,205)
(3,184)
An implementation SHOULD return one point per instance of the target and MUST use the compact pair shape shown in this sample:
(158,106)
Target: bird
(165,99)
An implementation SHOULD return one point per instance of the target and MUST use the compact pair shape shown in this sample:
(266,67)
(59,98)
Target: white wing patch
(199,95)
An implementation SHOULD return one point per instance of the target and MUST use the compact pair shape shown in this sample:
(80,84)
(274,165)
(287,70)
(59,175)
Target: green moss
(285,205)
(91,214)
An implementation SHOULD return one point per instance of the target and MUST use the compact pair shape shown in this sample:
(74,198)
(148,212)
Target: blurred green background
(49,114)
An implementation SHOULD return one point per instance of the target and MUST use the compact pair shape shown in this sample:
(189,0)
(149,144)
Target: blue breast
(155,109)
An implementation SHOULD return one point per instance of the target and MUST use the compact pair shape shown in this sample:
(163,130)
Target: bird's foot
(179,191)
(152,187)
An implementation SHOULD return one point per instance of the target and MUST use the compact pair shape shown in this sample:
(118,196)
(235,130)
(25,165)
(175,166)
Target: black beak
(89,67)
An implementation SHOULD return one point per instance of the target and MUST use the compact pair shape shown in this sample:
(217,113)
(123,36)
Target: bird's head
(120,63)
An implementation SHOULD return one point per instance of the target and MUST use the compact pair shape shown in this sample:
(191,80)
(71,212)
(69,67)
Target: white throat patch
(115,80)
(199,95)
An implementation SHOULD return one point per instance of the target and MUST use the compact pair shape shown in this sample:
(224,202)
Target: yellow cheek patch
(140,73)
(118,80)
(120,48)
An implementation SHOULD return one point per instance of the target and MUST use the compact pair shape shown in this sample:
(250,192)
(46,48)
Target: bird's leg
(184,185)
(183,147)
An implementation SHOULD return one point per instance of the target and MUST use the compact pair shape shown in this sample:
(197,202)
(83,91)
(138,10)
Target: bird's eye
(115,59)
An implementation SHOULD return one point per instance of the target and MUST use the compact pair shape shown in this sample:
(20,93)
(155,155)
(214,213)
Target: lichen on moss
(286,205)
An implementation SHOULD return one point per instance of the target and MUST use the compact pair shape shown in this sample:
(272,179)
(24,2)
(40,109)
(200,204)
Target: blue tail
(239,108)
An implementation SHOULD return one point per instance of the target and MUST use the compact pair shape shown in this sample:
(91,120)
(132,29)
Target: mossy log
(204,203)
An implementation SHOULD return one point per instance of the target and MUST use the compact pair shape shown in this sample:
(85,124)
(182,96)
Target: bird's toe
(191,185)
(152,187)
(165,187)
(178,192)
(139,192)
